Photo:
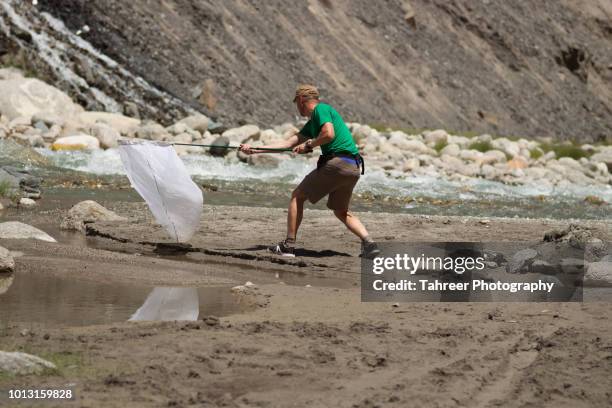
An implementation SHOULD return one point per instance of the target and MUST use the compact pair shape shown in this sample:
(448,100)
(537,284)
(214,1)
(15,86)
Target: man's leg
(369,249)
(295,213)
(352,223)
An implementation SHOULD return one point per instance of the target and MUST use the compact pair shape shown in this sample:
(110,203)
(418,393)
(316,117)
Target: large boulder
(604,156)
(29,97)
(598,274)
(197,122)
(18,363)
(76,142)
(436,136)
(521,261)
(152,131)
(492,157)
(7,263)
(20,182)
(242,133)
(121,123)
(19,230)
(507,146)
(106,135)
(86,212)
(264,160)
(219,151)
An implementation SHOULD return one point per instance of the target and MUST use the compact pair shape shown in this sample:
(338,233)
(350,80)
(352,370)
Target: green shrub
(483,146)
(566,150)
(536,153)
(440,144)
(5,189)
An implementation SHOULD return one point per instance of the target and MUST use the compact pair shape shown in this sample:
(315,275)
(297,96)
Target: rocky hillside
(509,68)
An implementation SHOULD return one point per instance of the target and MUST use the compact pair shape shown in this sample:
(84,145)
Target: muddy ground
(317,346)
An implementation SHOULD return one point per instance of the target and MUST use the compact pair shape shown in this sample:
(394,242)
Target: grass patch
(68,364)
(536,153)
(594,200)
(440,144)
(483,146)
(5,188)
(566,150)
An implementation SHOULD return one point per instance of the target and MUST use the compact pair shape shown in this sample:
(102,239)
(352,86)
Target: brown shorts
(337,178)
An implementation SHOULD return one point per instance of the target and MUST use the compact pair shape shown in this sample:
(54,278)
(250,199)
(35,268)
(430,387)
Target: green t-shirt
(343,141)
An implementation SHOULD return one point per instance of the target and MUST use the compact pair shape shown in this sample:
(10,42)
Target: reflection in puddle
(170,304)
(6,280)
(38,299)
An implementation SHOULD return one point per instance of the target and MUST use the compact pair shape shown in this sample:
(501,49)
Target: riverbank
(305,339)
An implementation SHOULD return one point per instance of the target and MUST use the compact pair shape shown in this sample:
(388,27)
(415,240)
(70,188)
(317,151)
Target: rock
(489,172)
(598,274)
(492,157)
(543,267)
(87,212)
(361,133)
(106,135)
(10,73)
(286,130)
(122,124)
(572,266)
(521,260)
(183,138)
(220,141)
(411,165)
(18,363)
(197,122)
(48,119)
(436,136)
(241,134)
(20,121)
(518,163)
(461,141)
(450,150)
(264,160)
(152,131)
(177,128)
(41,126)
(29,97)
(131,110)
(507,146)
(604,156)
(76,142)
(30,140)
(27,202)
(411,145)
(21,181)
(7,263)
(269,136)
(19,230)
(471,155)
(52,134)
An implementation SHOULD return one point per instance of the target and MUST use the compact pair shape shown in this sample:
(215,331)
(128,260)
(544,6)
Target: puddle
(39,300)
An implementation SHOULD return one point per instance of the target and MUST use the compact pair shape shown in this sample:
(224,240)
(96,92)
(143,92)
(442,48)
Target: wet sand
(308,346)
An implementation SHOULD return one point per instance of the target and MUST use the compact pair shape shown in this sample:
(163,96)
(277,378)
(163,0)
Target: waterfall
(64,52)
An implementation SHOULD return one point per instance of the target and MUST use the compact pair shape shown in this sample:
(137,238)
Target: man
(336,174)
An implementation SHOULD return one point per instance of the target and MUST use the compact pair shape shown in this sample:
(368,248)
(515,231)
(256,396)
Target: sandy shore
(309,346)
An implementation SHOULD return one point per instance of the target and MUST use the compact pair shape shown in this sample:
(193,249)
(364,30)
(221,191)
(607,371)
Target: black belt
(324,158)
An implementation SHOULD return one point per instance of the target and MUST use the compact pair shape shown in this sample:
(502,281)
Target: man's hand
(246,148)
(302,148)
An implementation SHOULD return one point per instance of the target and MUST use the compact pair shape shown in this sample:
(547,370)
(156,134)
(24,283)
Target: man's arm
(326,135)
(292,141)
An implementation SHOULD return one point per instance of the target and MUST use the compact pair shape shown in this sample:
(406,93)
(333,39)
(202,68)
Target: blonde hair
(307,92)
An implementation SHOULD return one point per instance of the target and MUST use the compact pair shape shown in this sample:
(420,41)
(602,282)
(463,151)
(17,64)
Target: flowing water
(241,184)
